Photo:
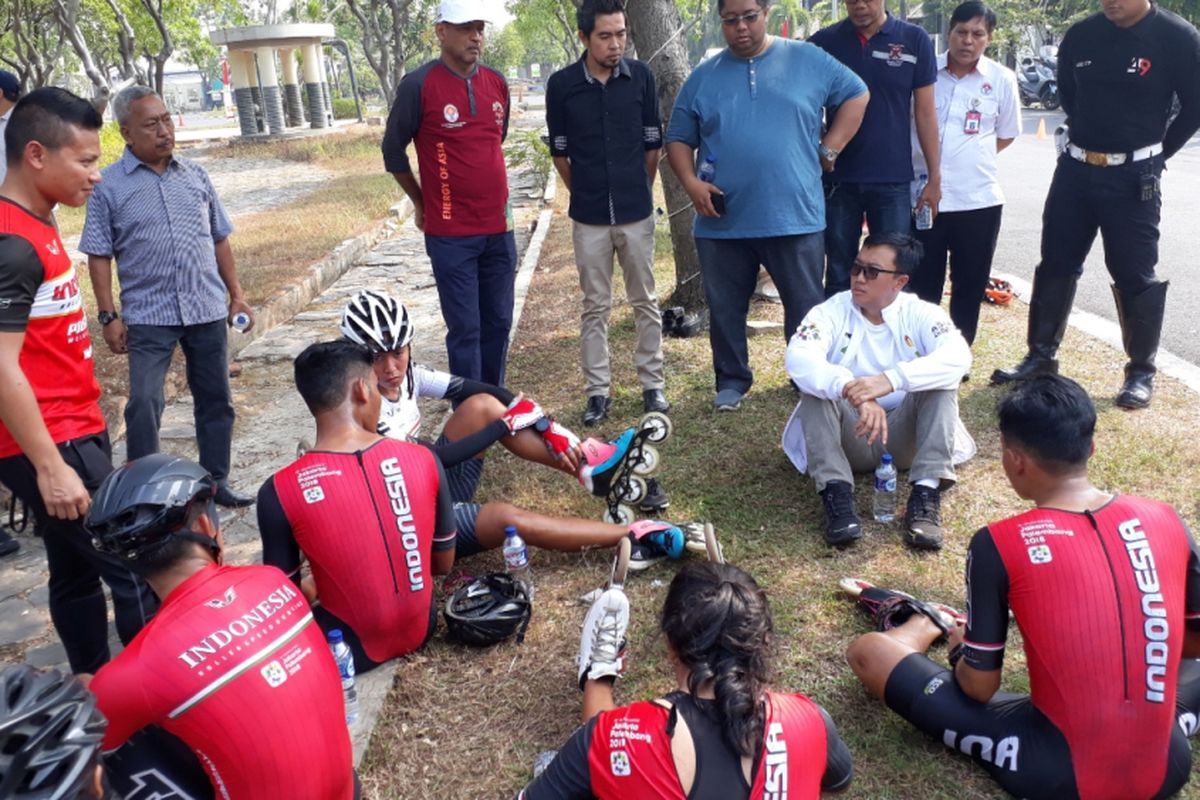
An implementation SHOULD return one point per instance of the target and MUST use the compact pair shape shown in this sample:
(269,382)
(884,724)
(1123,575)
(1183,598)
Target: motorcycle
(1037,83)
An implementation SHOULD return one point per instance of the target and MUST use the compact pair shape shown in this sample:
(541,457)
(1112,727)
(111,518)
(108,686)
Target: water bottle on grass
(885,490)
(516,558)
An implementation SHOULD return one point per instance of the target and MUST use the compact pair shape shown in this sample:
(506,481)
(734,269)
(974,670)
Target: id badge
(972,121)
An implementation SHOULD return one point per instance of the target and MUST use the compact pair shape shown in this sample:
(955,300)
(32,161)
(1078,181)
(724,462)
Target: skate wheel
(622,515)
(657,425)
(632,489)
(648,461)
(621,563)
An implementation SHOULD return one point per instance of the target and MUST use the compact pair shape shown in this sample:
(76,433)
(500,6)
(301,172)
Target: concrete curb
(1109,332)
(533,252)
(321,275)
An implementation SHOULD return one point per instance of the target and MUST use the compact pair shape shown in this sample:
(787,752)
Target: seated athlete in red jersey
(375,519)
(233,664)
(1106,591)
(722,735)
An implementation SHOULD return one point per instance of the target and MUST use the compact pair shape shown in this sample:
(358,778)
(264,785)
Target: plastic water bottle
(345,664)
(708,170)
(241,321)
(923,212)
(885,490)
(516,558)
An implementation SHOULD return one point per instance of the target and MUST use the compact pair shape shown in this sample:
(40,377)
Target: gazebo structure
(256,54)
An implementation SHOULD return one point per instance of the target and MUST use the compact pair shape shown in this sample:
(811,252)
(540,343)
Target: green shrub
(343,108)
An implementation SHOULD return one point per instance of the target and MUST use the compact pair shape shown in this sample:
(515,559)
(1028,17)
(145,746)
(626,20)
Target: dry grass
(467,723)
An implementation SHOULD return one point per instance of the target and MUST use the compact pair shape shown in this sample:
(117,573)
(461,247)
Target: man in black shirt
(1117,74)
(605,134)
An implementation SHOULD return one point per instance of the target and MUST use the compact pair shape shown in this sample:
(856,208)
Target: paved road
(1025,171)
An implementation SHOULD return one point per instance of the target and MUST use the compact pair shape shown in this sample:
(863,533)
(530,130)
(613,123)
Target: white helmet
(378,321)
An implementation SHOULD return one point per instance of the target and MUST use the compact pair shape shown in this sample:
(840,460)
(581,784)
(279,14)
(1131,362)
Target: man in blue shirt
(753,111)
(160,217)
(605,137)
(873,174)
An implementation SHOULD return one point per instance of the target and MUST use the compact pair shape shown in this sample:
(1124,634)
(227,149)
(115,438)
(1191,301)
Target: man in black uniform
(1117,74)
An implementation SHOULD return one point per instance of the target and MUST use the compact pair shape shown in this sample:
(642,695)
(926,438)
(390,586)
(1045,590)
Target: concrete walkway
(271,422)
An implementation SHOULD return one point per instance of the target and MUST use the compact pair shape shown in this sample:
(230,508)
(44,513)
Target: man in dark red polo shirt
(54,447)
(456,112)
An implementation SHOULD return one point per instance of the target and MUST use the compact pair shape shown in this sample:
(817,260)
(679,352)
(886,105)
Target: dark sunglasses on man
(870,271)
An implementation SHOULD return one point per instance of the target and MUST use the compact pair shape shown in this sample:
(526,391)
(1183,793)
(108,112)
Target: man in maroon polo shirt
(456,111)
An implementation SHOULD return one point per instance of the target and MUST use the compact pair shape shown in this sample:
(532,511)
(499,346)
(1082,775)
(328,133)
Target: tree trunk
(155,9)
(654,24)
(125,42)
(67,13)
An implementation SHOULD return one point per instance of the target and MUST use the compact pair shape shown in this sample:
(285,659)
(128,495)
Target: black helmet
(489,609)
(146,501)
(50,731)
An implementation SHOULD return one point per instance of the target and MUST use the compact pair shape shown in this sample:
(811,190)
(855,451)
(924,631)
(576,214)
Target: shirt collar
(889,27)
(130,162)
(621,70)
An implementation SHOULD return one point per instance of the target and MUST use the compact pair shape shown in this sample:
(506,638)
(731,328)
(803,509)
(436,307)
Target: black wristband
(956,653)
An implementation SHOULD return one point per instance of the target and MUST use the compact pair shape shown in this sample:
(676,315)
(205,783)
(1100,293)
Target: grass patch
(467,723)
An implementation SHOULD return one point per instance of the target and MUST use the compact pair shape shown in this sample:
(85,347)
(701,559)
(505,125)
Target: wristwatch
(542,425)
(106,317)
(828,153)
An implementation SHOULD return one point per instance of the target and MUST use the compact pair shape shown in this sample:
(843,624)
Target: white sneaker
(602,644)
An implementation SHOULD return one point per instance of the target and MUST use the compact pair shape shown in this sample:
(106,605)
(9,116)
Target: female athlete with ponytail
(722,735)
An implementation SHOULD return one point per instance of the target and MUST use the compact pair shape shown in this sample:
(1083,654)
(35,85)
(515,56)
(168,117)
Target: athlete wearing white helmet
(484,414)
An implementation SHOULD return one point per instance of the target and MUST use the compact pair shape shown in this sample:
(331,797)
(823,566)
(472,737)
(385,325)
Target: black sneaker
(655,400)
(656,498)
(597,410)
(923,518)
(8,545)
(841,523)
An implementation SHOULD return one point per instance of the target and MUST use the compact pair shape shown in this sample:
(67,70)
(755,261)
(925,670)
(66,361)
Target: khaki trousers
(633,244)
(920,438)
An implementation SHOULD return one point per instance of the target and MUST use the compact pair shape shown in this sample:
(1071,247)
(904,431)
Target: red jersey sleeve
(120,697)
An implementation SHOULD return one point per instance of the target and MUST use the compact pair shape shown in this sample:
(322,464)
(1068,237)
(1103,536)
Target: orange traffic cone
(1041,131)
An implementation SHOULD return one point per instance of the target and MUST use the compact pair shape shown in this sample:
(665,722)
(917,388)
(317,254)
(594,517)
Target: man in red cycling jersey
(376,520)
(1106,591)
(54,447)
(233,664)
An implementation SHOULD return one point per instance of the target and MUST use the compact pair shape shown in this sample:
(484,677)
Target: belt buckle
(1096,159)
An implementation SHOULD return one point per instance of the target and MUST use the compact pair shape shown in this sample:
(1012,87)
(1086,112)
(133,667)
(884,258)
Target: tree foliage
(547,31)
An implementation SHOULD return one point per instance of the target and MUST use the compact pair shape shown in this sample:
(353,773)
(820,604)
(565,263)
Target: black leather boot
(1049,309)
(1141,317)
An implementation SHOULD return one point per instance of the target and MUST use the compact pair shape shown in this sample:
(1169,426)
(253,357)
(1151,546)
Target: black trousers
(969,239)
(77,604)
(1084,200)
(150,351)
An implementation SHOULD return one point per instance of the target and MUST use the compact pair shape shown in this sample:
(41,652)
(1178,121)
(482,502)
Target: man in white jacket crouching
(878,371)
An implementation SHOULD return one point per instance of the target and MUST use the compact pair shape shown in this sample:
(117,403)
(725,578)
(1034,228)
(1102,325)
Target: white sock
(928,483)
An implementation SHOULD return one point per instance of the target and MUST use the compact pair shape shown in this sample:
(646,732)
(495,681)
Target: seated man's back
(368,521)
(1100,600)
(234,665)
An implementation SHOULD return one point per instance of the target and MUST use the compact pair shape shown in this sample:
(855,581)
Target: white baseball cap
(460,11)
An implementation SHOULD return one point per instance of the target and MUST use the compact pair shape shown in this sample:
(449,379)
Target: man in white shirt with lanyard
(979,114)
(878,371)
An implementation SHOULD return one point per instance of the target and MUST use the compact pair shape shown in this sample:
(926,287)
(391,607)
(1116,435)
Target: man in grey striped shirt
(160,217)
